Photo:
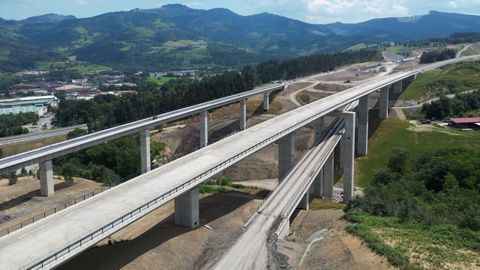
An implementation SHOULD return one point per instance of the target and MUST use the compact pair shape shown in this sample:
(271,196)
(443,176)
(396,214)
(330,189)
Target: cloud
(353,10)
(453,4)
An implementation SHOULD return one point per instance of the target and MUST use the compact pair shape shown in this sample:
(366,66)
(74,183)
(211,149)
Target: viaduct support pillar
(348,152)
(305,202)
(186,209)
(203,129)
(286,155)
(243,114)
(398,87)
(328,173)
(46,179)
(362,144)
(317,185)
(266,101)
(145,151)
(383,103)
(319,129)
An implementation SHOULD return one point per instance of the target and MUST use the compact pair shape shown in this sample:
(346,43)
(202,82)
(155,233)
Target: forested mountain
(175,36)
(434,24)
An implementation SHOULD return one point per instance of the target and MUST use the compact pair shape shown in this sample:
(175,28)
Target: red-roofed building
(472,122)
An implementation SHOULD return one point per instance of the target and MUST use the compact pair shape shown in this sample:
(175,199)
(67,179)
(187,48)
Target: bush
(12,178)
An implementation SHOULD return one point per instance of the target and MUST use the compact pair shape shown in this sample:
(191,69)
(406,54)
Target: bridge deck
(58,237)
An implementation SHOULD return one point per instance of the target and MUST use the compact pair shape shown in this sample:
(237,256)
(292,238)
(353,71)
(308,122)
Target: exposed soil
(331,247)
(155,242)
(22,200)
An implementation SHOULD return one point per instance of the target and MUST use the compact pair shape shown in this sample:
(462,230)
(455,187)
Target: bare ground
(154,242)
(331,247)
(22,200)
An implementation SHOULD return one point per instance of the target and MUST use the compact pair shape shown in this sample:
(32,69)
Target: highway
(59,149)
(51,241)
(38,135)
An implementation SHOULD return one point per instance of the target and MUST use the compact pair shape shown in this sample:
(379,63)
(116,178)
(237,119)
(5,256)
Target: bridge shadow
(159,240)
(30,195)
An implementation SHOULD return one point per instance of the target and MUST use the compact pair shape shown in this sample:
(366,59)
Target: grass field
(160,80)
(402,50)
(412,246)
(400,134)
(449,79)
(82,68)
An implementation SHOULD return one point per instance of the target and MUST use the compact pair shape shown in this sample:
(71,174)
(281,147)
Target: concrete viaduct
(57,238)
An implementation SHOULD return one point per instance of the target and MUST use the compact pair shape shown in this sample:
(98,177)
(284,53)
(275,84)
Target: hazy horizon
(311,11)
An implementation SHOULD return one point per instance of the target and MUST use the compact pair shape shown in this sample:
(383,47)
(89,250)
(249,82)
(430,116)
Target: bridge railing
(141,211)
(50,211)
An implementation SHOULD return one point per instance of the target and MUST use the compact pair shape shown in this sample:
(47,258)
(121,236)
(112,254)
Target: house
(466,123)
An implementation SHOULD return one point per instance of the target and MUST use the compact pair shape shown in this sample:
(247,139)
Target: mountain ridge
(176,36)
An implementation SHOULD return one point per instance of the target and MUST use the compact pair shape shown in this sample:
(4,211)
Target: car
(154,117)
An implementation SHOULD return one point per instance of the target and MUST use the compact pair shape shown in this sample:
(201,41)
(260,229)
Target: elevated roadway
(55,239)
(59,149)
(38,135)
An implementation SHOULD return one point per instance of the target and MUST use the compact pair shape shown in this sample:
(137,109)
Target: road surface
(38,135)
(57,238)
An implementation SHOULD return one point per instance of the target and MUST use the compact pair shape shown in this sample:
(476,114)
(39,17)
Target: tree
(12,178)
(397,161)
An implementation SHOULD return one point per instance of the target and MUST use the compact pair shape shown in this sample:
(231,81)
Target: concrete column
(328,174)
(266,101)
(286,155)
(383,103)
(348,151)
(46,179)
(398,87)
(145,151)
(187,209)
(362,144)
(317,186)
(243,114)
(203,129)
(305,202)
(319,128)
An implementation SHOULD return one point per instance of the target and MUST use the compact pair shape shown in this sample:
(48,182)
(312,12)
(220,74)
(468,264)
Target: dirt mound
(330,87)
(319,241)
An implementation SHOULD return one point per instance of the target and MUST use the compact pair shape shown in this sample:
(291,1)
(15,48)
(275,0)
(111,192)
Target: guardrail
(50,211)
(125,219)
(128,218)
(59,149)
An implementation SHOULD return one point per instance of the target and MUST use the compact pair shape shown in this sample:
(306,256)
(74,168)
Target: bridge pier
(319,129)
(46,179)
(362,144)
(383,102)
(243,114)
(187,209)
(398,87)
(145,151)
(266,101)
(348,153)
(317,190)
(328,174)
(286,155)
(203,129)
(305,202)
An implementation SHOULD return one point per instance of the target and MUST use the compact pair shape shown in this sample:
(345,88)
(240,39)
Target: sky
(312,11)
